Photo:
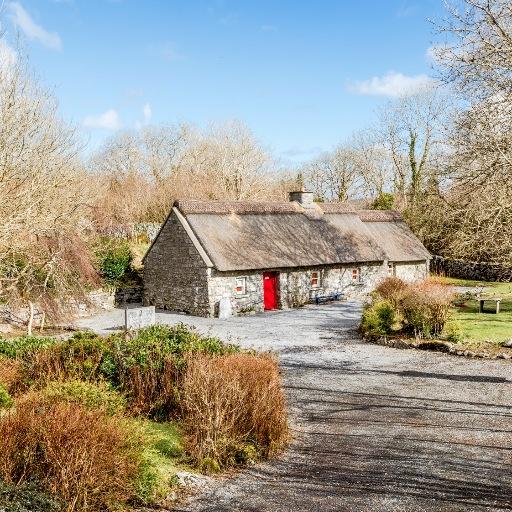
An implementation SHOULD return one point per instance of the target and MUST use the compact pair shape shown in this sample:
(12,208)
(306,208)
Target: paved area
(375,428)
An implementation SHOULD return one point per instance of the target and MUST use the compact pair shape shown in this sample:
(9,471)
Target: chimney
(305,199)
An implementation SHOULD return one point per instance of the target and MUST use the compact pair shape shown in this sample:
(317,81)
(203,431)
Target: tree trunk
(30,317)
(43,318)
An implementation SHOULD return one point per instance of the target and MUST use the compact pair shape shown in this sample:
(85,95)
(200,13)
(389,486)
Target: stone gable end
(175,274)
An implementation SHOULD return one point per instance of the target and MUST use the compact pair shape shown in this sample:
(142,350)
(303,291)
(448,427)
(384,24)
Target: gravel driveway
(375,429)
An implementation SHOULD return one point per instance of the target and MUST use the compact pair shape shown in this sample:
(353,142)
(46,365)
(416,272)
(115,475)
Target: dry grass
(151,390)
(87,458)
(233,404)
(10,374)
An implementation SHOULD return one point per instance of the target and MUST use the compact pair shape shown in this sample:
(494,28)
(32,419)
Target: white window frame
(318,279)
(241,282)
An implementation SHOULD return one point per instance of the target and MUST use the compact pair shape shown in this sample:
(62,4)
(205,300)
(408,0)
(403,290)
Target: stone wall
(223,284)
(294,286)
(470,270)
(147,231)
(175,275)
(130,295)
(411,271)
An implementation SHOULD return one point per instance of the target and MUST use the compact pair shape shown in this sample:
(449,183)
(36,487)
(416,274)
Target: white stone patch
(137,318)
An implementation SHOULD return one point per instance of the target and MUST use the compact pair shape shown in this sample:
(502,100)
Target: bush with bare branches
(233,408)
(89,459)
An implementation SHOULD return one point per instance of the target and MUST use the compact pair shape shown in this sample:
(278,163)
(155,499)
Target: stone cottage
(274,255)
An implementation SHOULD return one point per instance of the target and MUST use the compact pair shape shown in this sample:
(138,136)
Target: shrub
(385,201)
(419,308)
(147,365)
(87,458)
(393,290)
(81,357)
(426,308)
(91,396)
(454,331)
(10,374)
(380,318)
(233,408)
(114,260)
(144,365)
(5,399)
(27,497)
(17,347)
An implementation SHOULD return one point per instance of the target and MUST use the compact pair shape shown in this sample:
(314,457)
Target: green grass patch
(485,326)
(163,458)
(489,288)
(481,327)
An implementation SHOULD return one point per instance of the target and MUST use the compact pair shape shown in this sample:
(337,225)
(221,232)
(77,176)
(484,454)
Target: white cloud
(392,85)
(21,19)
(147,113)
(109,120)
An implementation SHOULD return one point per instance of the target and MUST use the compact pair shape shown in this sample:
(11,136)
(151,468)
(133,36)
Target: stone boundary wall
(470,270)
(131,295)
(147,230)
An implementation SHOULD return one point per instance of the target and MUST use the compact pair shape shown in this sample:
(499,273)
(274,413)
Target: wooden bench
(481,300)
(317,299)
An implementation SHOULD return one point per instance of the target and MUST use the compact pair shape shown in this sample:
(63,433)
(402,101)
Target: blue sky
(301,74)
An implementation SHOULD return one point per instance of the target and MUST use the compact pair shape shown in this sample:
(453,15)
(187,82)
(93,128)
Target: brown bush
(87,458)
(10,374)
(78,358)
(151,390)
(392,289)
(436,299)
(232,405)
(424,306)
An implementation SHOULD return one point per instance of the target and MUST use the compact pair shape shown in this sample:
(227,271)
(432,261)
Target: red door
(270,290)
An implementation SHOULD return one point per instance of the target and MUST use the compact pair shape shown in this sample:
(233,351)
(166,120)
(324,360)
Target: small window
(240,287)
(315,279)
(391,269)
(355,274)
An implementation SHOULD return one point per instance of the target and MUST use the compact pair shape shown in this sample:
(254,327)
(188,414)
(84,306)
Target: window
(391,269)
(240,286)
(315,279)
(356,275)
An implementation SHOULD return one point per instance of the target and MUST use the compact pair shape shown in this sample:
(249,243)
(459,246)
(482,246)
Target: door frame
(275,276)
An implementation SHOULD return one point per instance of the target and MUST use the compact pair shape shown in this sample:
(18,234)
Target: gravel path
(375,428)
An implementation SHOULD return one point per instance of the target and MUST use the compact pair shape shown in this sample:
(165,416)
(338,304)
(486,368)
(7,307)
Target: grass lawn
(477,326)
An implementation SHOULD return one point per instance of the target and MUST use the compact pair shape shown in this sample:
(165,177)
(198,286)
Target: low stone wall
(470,270)
(131,295)
(147,230)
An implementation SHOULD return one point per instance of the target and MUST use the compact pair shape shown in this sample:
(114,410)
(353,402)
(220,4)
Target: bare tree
(226,162)
(373,163)
(43,194)
(411,130)
(334,176)
(475,60)
(142,172)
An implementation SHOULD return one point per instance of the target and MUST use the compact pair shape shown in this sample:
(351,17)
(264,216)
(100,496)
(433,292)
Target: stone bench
(317,299)
(482,300)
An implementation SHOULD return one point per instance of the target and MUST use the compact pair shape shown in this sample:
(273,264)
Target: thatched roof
(249,235)
(397,240)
